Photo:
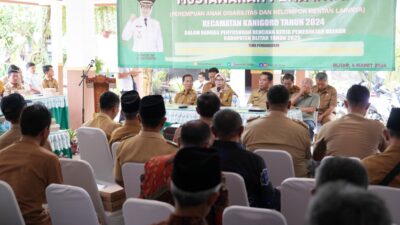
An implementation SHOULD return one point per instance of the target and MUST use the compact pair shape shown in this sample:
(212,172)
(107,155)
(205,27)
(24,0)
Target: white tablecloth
(59,141)
(181,116)
(57,101)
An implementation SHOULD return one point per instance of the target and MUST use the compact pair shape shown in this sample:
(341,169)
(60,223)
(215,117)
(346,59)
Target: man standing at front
(188,96)
(277,131)
(327,96)
(145,31)
(258,97)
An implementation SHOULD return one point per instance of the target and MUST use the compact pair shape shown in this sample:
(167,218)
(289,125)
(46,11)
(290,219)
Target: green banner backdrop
(257,34)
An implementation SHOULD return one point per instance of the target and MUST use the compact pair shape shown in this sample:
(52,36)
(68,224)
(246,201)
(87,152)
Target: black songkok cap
(394,120)
(196,169)
(130,102)
(152,107)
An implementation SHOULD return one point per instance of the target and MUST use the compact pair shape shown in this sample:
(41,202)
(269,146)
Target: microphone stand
(84,77)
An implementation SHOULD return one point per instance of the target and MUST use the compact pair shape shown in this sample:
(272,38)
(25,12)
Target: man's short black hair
(269,75)
(13,69)
(227,123)
(186,75)
(342,203)
(394,133)
(47,68)
(358,95)
(213,70)
(29,65)
(208,104)
(288,76)
(34,119)
(195,133)
(108,100)
(12,106)
(321,76)
(278,95)
(341,168)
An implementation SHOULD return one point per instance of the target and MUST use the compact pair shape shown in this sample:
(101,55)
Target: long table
(57,104)
(181,116)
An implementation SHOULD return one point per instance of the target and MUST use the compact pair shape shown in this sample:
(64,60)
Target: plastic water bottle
(235,101)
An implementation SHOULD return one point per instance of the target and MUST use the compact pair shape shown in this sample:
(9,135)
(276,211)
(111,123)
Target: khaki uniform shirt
(277,131)
(104,122)
(1,87)
(129,129)
(327,96)
(295,89)
(379,166)
(186,98)
(225,95)
(10,88)
(140,149)
(258,98)
(207,87)
(14,135)
(29,169)
(50,84)
(305,101)
(352,135)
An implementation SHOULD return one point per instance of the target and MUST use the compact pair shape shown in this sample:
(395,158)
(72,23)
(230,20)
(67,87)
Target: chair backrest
(70,205)
(144,212)
(9,209)
(237,194)
(279,164)
(296,194)
(94,149)
(391,196)
(79,173)
(131,173)
(114,150)
(239,215)
(330,156)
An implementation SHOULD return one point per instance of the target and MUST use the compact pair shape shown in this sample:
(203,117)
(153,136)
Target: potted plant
(73,140)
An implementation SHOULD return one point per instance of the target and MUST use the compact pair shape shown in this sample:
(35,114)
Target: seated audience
(156,178)
(212,72)
(223,90)
(344,169)
(149,142)
(353,134)
(188,96)
(341,203)
(11,107)
(277,131)
(384,168)
(227,128)
(207,105)
(308,103)
(258,97)
(109,107)
(14,84)
(288,82)
(195,185)
(49,81)
(328,98)
(32,81)
(29,168)
(130,103)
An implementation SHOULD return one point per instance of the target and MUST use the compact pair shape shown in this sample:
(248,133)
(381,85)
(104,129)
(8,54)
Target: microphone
(218,89)
(91,64)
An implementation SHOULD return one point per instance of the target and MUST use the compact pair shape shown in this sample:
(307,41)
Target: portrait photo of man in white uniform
(145,31)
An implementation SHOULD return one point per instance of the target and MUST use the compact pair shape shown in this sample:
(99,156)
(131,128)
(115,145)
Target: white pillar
(237,82)
(56,33)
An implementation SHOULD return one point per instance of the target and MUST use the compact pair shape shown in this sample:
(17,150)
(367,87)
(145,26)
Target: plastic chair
(296,194)
(131,173)
(70,205)
(9,209)
(279,164)
(114,147)
(94,148)
(391,196)
(79,173)
(236,187)
(144,212)
(239,215)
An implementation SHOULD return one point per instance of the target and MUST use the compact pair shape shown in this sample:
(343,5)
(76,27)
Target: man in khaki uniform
(14,84)
(188,96)
(29,168)
(222,90)
(353,134)
(328,98)
(277,131)
(258,97)
(11,107)
(288,82)
(212,72)
(109,107)
(49,81)
(130,102)
(149,142)
(384,168)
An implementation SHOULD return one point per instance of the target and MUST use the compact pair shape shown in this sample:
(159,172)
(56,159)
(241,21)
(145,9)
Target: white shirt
(199,86)
(145,38)
(32,80)
(126,83)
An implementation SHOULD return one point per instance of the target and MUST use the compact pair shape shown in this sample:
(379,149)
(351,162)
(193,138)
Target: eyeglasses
(219,79)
